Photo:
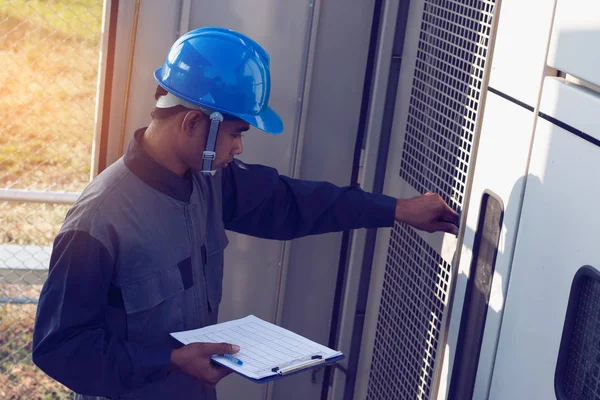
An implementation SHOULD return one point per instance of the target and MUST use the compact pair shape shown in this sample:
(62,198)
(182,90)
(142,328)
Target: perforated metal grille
(451,57)
(452,52)
(415,289)
(582,374)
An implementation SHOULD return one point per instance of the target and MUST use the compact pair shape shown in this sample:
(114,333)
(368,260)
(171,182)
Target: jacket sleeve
(72,341)
(258,201)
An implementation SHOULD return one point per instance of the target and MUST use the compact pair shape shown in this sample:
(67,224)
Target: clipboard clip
(314,360)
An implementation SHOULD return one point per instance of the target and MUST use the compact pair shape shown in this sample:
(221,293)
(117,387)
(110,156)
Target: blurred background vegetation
(50,53)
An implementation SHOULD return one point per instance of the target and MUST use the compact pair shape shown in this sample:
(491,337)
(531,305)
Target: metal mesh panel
(581,379)
(415,289)
(49,52)
(444,105)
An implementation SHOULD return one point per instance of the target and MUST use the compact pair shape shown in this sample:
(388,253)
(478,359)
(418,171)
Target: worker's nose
(238,148)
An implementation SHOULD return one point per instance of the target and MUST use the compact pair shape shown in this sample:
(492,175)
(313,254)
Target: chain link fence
(49,51)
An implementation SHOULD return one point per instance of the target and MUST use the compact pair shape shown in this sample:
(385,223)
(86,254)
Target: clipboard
(268,352)
(297,369)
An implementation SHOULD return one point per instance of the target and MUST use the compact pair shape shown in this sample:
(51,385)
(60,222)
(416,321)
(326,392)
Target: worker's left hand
(194,359)
(428,212)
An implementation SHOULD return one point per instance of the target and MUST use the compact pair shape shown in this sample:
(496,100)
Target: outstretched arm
(258,201)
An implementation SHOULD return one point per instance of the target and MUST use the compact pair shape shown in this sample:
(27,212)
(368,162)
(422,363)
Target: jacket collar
(155,175)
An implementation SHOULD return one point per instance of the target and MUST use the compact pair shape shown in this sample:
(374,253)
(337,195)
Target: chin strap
(209,153)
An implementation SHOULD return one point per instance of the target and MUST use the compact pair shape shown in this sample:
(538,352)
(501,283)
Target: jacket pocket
(154,306)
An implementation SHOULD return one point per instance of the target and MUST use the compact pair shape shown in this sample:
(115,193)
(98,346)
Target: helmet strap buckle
(209,152)
(209,155)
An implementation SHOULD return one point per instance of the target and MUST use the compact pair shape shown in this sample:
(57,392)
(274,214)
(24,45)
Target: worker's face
(229,142)
(195,127)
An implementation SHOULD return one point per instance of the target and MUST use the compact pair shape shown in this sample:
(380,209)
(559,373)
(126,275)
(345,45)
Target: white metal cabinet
(520,48)
(575,39)
(558,235)
(504,145)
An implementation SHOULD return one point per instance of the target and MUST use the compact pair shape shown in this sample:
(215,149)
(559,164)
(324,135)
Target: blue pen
(233,359)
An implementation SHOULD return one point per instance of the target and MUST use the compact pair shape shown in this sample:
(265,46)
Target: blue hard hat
(224,71)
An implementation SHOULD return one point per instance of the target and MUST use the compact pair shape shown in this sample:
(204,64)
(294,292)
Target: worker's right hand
(194,360)
(428,212)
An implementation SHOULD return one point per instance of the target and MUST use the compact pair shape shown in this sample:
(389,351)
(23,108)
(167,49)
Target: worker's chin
(214,168)
(218,165)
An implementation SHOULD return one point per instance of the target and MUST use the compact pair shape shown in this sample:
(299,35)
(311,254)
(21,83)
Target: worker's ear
(194,122)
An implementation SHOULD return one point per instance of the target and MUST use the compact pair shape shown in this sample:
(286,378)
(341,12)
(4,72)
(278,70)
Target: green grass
(49,51)
(49,88)
(72,19)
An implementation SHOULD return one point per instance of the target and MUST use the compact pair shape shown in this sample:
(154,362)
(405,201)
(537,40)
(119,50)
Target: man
(140,254)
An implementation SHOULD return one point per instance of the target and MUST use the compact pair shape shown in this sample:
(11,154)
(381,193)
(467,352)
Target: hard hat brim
(267,121)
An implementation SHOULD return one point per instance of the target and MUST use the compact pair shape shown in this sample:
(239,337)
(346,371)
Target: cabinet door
(558,236)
